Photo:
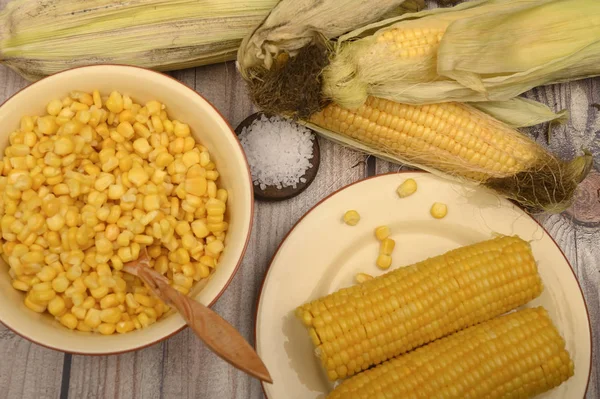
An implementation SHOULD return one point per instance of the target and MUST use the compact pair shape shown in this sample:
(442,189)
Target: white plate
(321,255)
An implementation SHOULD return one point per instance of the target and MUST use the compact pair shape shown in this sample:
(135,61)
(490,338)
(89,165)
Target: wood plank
(26,369)
(132,375)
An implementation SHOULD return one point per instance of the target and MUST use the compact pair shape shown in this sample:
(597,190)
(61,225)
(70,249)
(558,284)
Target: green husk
(41,37)
(491,50)
(522,112)
(294,24)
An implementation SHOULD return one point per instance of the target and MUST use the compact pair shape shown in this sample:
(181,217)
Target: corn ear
(457,141)
(489,50)
(544,42)
(39,38)
(294,24)
(518,355)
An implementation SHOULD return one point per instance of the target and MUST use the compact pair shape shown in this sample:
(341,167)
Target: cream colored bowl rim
(32,86)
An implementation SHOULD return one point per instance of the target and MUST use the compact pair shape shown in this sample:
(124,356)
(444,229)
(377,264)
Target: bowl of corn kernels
(98,164)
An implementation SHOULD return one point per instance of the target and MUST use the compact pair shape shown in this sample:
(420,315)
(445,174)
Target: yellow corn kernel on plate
(322,254)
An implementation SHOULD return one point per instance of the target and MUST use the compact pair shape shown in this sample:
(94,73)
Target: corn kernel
(382,232)
(384,261)
(408,187)
(138,176)
(115,191)
(60,284)
(20,285)
(439,210)
(362,277)
(387,246)
(142,147)
(215,247)
(99,292)
(202,271)
(200,229)
(69,320)
(164,159)
(88,303)
(110,315)
(47,274)
(36,307)
(131,302)
(124,327)
(106,328)
(351,218)
(181,129)
(54,107)
(153,107)
(81,326)
(125,254)
(92,318)
(115,102)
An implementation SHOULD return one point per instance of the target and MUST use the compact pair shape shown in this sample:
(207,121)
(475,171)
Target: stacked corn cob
(380,319)
(364,325)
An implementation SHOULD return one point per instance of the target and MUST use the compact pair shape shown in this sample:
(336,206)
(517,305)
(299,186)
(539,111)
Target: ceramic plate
(321,254)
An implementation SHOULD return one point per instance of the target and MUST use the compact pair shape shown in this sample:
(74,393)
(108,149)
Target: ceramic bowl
(208,127)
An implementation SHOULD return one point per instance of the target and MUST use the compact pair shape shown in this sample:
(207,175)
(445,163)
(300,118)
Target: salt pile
(278,151)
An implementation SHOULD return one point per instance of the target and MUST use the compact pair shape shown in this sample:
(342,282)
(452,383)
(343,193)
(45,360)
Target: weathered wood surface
(182,367)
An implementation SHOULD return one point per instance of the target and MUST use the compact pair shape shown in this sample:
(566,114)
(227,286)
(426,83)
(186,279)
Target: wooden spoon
(220,336)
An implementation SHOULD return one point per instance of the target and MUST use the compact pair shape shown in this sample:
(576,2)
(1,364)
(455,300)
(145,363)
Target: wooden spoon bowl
(272,193)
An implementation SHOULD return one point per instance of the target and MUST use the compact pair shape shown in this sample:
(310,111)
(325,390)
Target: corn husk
(41,37)
(294,24)
(492,50)
(522,112)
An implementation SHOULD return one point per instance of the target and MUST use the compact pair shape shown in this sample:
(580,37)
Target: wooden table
(181,367)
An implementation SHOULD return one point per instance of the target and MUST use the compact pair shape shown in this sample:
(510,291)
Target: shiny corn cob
(519,355)
(451,137)
(367,324)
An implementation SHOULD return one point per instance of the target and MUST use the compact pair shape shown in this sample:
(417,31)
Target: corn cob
(519,355)
(491,50)
(458,141)
(367,324)
(39,38)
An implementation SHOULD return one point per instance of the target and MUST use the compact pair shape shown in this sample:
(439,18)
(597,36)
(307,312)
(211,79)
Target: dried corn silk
(278,151)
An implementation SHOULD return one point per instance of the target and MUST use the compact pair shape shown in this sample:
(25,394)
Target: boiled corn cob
(459,141)
(519,355)
(367,324)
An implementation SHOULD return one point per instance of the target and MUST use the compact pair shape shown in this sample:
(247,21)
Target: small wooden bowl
(272,193)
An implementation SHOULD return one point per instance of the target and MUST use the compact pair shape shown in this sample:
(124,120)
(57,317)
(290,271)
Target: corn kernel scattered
(351,218)
(382,232)
(384,261)
(408,187)
(438,210)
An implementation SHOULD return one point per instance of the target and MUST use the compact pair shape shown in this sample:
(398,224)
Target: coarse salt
(278,151)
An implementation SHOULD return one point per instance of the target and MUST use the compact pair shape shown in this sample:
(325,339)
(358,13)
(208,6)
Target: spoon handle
(212,329)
